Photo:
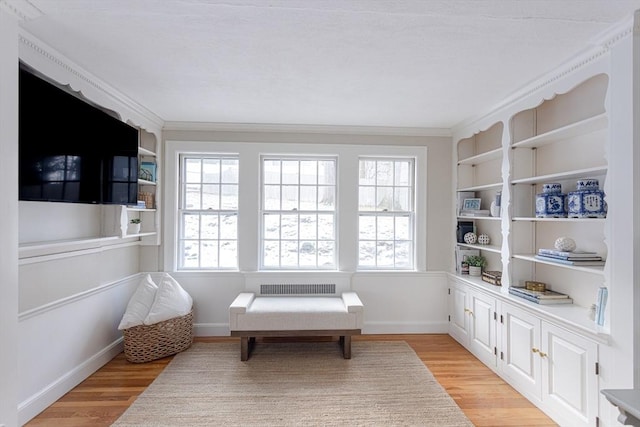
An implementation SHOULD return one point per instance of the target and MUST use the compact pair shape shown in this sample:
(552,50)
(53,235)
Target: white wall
(395,302)
(61,301)
(63,342)
(9,217)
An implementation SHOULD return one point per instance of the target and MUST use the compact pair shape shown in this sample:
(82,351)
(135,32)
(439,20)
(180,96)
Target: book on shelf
(601,305)
(547,294)
(493,277)
(576,263)
(572,258)
(573,254)
(541,301)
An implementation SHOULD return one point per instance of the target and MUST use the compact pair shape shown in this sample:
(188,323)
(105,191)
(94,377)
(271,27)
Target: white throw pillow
(139,304)
(170,301)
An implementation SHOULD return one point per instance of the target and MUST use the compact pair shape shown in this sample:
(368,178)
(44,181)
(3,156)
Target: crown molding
(45,52)
(319,129)
(22,9)
(598,46)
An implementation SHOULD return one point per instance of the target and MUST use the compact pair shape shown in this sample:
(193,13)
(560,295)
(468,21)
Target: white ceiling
(400,63)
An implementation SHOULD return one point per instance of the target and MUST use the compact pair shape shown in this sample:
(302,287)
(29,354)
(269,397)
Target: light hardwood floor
(483,396)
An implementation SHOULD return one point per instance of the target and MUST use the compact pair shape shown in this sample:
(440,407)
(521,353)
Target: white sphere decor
(484,239)
(565,244)
(470,238)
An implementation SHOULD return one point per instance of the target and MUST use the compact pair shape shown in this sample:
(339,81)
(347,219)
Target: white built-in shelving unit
(549,353)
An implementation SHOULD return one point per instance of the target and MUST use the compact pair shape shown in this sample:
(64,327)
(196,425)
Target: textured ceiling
(401,63)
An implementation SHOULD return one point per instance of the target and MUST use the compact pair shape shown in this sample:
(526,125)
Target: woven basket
(145,343)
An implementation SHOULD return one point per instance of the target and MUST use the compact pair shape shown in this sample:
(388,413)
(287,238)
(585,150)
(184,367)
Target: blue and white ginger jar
(551,203)
(587,201)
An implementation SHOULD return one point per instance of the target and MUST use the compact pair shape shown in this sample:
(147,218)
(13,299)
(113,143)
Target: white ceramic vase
(133,229)
(475,271)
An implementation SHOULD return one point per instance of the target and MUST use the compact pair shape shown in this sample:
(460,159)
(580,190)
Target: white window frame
(203,212)
(376,213)
(264,212)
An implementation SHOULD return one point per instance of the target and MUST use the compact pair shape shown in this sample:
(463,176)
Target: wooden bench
(252,316)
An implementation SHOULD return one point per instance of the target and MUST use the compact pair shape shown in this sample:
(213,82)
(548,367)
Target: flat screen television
(70,150)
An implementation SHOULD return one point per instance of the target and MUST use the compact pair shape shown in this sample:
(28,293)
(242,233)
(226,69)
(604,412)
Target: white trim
(322,129)
(211,329)
(23,9)
(76,297)
(38,402)
(34,51)
(600,46)
(49,252)
(382,327)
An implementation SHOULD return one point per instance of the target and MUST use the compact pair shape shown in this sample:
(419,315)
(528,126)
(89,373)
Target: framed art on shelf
(471,204)
(148,171)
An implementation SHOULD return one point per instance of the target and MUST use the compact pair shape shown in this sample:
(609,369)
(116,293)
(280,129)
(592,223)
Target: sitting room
(319,212)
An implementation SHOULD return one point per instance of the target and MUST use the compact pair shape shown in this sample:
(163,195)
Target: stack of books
(541,297)
(577,258)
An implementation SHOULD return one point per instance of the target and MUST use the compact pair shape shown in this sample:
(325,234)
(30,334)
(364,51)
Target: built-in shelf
(144,152)
(573,130)
(488,248)
(494,185)
(35,249)
(587,269)
(578,220)
(136,209)
(579,173)
(145,182)
(484,218)
(570,315)
(483,157)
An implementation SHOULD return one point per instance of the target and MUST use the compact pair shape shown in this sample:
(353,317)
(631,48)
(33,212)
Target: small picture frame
(471,204)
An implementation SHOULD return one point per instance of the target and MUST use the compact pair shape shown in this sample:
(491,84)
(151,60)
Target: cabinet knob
(535,350)
(543,354)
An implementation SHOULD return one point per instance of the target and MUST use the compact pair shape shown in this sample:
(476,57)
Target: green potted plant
(134,226)
(476,264)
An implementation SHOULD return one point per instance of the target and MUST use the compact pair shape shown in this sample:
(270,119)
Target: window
(386,213)
(298,213)
(208,214)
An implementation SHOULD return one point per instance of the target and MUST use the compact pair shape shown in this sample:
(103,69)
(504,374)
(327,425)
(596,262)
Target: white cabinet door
(482,327)
(520,346)
(459,323)
(569,377)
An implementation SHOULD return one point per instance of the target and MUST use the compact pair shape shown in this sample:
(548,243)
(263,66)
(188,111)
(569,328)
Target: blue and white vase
(587,201)
(551,203)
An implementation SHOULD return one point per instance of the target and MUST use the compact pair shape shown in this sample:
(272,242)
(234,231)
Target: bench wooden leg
(346,346)
(244,349)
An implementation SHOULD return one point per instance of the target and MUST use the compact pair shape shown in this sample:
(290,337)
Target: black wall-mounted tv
(70,150)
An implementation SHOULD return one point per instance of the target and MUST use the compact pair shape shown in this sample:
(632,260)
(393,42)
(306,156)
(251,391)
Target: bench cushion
(295,313)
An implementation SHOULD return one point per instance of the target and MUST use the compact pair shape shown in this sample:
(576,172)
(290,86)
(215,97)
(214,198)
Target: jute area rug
(295,384)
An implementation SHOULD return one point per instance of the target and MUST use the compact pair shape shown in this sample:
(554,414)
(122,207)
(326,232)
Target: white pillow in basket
(139,304)
(170,301)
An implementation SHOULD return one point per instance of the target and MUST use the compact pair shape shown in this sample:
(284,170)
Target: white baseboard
(222,329)
(54,391)
(211,329)
(381,327)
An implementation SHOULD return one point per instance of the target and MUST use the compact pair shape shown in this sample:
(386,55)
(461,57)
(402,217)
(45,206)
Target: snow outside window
(298,214)
(385,213)
(208,213)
